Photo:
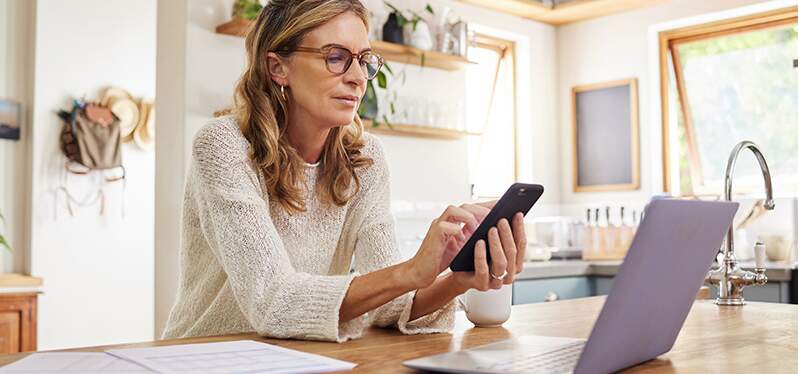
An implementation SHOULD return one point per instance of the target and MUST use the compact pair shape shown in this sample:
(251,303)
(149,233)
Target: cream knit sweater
(248,265)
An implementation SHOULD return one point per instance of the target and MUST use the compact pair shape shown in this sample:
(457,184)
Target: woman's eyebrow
(344,47)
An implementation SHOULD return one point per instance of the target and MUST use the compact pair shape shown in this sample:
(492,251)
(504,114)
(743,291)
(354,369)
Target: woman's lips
(348,100)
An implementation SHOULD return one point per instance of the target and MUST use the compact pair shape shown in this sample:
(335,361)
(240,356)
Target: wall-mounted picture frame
(10,116)
(605,136)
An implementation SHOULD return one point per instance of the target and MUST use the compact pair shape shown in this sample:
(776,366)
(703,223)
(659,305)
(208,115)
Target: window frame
(507,54)
(668,42)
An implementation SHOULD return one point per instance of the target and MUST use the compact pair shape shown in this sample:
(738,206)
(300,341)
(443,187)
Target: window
(490,110)
(727,83)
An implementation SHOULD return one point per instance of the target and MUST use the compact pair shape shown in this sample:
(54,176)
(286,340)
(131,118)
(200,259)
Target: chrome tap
(729,277)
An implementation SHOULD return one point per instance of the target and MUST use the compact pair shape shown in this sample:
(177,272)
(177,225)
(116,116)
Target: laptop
(650,298)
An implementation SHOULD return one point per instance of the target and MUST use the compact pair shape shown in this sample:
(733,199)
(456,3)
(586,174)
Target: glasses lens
(371,64)
(338,60)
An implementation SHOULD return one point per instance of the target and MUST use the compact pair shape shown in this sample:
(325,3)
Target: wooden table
(759,337)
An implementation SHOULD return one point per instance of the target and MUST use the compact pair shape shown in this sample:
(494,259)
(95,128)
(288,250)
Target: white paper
(73,362)
(242,356)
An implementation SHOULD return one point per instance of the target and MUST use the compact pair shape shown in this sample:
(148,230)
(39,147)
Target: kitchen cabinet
(551,289)
(772,292)
(17,322)
(568,279)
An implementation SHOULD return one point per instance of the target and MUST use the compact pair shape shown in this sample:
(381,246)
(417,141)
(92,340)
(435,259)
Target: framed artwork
(10,115)
(606,140)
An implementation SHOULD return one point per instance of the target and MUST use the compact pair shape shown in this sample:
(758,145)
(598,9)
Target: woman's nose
(355,74)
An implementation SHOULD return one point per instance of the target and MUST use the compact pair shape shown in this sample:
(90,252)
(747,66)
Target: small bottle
(587,235)
(604,233)
(627,232)
(613,234)
(595,235)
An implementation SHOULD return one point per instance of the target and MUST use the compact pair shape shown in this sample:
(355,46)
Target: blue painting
(9,120)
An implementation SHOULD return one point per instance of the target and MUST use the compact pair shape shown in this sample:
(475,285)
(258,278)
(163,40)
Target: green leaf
(4,243)
(382,81)
(396,10)
(429,9)
(370,93)
(251,10)
(387,122)
(388,67)
(393,108)
(2,219)
(415,24)
(423,59)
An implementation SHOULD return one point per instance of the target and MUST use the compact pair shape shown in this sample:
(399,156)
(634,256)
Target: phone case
(519,197)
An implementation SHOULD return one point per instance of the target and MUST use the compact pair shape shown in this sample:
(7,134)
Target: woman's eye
(336,57)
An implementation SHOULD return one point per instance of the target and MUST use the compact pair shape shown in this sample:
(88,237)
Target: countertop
(762,337)
(776,271)
(19,283)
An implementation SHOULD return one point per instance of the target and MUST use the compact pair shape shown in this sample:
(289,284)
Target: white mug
(777,246)
(488,308)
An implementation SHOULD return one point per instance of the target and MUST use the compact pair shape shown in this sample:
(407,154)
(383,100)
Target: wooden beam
(575,11)
(587,9)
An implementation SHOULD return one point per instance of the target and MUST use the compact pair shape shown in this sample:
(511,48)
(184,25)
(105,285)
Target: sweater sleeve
(234,218)
(376,247)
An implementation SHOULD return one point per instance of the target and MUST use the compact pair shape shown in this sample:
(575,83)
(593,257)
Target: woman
(288,193)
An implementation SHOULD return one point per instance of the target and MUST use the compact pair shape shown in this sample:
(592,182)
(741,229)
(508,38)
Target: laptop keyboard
(560,360)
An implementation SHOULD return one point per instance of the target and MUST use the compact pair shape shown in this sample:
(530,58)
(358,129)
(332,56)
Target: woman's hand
(446,236)
(449,232)
(507,246)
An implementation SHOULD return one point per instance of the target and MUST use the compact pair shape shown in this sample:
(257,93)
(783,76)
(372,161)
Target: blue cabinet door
(539,290)
(773,292)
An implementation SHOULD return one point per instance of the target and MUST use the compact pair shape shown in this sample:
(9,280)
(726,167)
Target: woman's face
(316,93)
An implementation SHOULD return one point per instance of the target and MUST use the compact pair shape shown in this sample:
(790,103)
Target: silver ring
(501,277)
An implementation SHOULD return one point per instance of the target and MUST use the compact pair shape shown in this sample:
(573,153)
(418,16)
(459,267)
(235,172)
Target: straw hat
(113,93)
(124,108)
(144,136)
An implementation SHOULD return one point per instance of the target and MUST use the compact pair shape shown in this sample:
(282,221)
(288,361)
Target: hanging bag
(90,140)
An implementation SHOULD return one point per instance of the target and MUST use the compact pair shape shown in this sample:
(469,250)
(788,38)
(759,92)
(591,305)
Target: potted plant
(369,106)
(413,30)
(246,9)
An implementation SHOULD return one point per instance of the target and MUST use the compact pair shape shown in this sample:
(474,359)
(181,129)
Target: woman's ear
(278,69)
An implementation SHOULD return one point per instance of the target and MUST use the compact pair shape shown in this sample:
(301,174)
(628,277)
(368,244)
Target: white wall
(611,48)
(98,270)
(214,62)
(170,153)
(16,59)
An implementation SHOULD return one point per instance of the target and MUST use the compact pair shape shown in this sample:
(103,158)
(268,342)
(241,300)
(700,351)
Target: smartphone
(519,197)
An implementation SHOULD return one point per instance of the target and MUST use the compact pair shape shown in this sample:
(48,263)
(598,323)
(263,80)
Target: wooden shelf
(236,27)
(416,131)
(408,55)
(566,13)
(18,280)
(390,51)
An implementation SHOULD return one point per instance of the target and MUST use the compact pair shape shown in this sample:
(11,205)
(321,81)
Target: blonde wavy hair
(262,112)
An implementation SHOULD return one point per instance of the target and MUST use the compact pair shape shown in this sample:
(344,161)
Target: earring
(282,92)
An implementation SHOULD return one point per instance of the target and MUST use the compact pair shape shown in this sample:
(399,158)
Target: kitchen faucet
(729,277)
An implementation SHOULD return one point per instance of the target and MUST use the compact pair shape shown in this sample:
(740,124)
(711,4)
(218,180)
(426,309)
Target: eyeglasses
(339,59)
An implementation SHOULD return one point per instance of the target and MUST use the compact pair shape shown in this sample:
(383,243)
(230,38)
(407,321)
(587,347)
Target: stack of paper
(243,356)
(73,362)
